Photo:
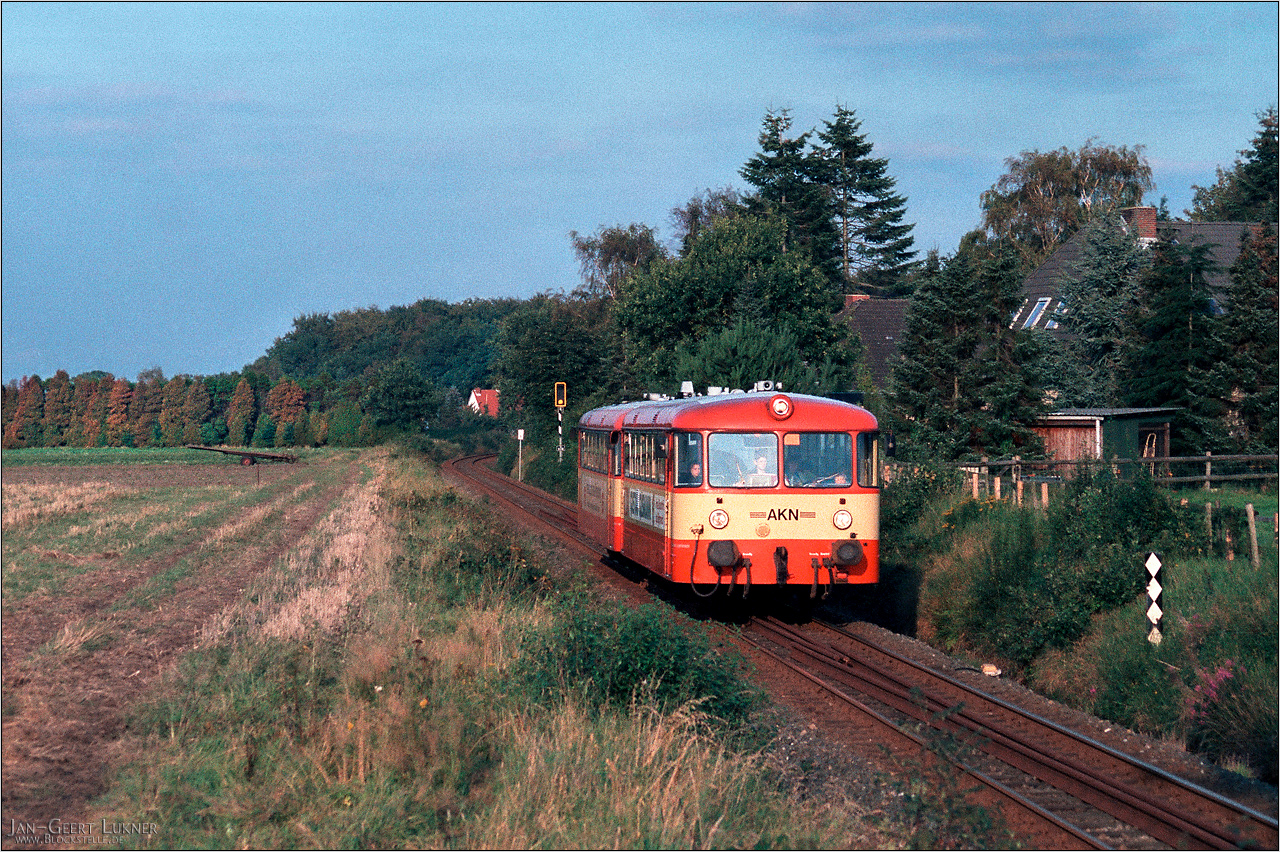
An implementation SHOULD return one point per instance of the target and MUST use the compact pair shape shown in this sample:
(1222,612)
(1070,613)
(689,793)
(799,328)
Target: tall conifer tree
(965,384)
(786,175)
(876,244)
(1100,295)
(58,413)
(172,400)
(1236,394)
(24,429)
(1172,332)
(195,411)
(241,415)
(117,426)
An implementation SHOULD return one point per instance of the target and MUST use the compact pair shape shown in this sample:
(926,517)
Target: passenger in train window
(763,475)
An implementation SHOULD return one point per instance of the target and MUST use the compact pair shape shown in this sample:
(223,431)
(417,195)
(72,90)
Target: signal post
(561,401)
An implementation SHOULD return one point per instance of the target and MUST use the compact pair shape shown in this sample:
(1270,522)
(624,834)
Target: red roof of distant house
(484,401)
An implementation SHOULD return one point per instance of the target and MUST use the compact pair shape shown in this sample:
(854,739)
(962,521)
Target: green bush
(616,656)
(1102,515)
(1134,686)
(912,494)
(545,470)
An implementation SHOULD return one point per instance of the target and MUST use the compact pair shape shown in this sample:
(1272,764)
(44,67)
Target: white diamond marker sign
(1154,591)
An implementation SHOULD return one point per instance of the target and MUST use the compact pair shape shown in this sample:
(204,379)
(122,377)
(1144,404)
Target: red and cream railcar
(743,489)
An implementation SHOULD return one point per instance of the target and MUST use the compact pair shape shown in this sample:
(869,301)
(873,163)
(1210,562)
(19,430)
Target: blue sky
(180,181)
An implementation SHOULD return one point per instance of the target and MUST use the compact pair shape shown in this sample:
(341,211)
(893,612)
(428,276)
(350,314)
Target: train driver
(693,476)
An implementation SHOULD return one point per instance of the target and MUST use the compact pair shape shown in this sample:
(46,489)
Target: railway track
(1059,787)
(1097,795)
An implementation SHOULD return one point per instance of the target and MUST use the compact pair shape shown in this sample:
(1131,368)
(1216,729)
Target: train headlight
(842,519)
(780,407)
(719,519)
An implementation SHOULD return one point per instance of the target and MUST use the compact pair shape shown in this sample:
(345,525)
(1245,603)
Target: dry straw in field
(25,504)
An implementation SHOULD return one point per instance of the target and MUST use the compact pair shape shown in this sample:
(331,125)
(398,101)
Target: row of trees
(748,289)
(750,293)
(240,409)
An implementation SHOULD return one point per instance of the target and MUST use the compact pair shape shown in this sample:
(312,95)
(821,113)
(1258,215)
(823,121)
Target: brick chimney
(1143,220)
(850,298)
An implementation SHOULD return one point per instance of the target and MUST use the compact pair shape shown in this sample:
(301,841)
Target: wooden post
(1208,469)
(997,481)
(1253,537)
(1017,478)
(1044,494)
(1208,523)
(974,477)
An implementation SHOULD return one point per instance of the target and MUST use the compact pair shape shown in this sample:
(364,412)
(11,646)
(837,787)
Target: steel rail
(1228,808)
(1002,790)
(1097,786)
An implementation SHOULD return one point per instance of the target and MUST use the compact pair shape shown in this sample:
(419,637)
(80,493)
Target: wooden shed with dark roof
(1075,434)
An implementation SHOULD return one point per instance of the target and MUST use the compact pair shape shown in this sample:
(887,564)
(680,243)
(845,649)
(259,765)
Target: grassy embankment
(1057,596)
(412,676)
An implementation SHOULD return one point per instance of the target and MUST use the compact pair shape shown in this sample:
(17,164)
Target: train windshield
(688,463)
(817,459)
(743,459)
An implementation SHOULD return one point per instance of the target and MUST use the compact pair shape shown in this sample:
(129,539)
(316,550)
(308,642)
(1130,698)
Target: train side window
(594,451)
(869,459)
(646,456)
(688,461)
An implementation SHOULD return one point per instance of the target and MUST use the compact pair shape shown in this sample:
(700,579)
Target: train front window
(688,463)
(743,459)
(817,459)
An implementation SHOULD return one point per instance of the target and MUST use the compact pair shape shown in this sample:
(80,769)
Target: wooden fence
(1009,478)
(1032,480)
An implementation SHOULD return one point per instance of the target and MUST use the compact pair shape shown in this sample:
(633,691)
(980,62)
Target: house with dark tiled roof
(880,324)
(1042,306)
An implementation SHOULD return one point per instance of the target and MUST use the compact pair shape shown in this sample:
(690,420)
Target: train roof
(752,411)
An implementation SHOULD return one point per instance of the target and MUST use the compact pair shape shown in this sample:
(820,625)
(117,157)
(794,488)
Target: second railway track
(1060,787)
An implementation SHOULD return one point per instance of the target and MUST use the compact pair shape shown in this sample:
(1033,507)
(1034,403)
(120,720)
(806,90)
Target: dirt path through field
(75,661)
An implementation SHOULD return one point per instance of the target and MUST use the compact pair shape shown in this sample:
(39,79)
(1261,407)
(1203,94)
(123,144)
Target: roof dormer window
(1036,312)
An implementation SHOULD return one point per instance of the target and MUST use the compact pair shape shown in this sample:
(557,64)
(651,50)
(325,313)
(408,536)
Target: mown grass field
(350,655)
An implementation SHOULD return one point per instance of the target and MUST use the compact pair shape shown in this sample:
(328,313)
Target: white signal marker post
(561,400)
(520,455)
(1155,615)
